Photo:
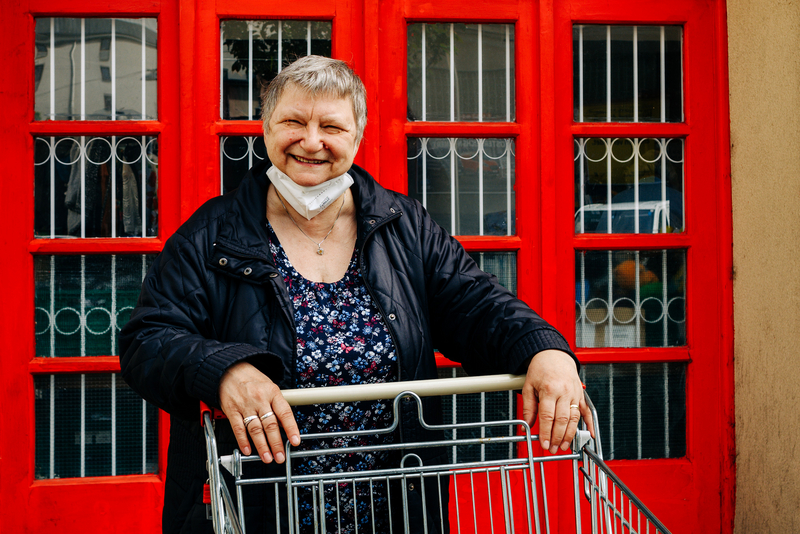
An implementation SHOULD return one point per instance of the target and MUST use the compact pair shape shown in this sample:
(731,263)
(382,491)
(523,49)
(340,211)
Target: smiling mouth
(311,161)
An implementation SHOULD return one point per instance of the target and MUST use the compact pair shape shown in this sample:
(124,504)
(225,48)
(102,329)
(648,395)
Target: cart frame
(613,507)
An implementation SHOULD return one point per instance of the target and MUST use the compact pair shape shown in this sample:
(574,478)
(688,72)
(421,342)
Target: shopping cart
(501,494)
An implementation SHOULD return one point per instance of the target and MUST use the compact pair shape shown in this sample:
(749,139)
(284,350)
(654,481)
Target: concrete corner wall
(764,68)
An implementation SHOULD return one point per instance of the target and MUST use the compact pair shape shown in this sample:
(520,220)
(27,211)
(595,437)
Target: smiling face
(311,139)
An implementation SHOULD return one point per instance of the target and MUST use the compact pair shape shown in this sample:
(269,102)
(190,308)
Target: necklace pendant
(320,251)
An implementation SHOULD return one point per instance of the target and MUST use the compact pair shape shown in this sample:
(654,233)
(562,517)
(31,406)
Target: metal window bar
(83,76)
(609,194)
(452,74)
(83,184)
(249,70)
(580,73)
(52,407)
(113,186)
(666,409)
(662,69)
(52,70)
(114,73)
(636,74)
(635,70)
(509,186)
(144,92)
(610,410)
(480,72)
(280,45)
(612,507)
(454,220)
(424,77)
(508,76)
(608,77)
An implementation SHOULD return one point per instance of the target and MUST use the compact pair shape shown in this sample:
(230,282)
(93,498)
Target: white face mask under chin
(309,201)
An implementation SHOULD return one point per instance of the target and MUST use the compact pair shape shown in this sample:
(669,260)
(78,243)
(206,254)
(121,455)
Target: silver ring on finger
(573,407)
(249,419)
(268,414)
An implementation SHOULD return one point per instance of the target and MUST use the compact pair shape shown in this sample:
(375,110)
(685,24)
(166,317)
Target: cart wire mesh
(502,495)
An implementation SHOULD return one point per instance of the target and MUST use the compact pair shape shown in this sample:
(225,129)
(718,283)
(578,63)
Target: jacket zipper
(386,321)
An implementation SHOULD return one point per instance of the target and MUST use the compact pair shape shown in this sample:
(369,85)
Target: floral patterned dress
(341,339)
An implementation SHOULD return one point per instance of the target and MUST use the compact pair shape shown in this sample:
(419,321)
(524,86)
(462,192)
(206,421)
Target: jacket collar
(244,228)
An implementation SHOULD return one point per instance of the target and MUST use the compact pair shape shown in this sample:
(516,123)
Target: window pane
(92,425)
(466,184)
(644,292)
(96,69)
(627,73)
(474,408)
(461,72)
(501,264)
(628,186)
(254,51)
(93,186)
(641,408)
(82,302)
(237,156)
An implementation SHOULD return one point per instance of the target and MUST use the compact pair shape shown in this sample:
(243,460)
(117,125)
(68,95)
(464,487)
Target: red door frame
(701,485)
(694,493)
(111,504)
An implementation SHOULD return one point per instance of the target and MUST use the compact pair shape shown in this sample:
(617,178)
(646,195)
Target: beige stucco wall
(764,61)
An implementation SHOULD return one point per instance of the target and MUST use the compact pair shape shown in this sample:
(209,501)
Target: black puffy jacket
(213,297)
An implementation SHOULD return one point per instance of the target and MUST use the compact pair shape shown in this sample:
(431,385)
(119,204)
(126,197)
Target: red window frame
(31,505)
(694,493)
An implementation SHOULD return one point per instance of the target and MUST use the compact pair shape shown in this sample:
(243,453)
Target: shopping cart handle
(389,390)
(213,412)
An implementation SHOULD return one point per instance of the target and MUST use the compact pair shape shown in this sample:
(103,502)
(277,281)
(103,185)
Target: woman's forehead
(296,99)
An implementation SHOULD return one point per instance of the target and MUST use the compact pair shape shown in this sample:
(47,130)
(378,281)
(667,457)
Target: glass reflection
(628,185)
(466,184)
(96,69)
(253,52)
(82,302)
(237,156)
(93,425)
(96,187)
(460,72)
(627,73)
(641,407)
(630,298)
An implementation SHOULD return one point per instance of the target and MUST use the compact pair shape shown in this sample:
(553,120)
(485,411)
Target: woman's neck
(318,226)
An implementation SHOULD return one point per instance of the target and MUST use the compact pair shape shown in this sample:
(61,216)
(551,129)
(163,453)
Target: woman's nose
(312,140)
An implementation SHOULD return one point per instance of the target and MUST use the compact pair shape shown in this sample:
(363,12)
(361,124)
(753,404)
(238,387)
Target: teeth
(304,160)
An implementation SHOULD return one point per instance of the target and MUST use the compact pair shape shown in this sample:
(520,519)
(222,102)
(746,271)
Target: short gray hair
(319,76)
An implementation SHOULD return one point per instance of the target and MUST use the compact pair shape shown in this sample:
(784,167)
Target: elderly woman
(311,274)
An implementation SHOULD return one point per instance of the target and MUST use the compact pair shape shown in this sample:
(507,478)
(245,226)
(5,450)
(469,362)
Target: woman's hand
(244,391)
(552,387)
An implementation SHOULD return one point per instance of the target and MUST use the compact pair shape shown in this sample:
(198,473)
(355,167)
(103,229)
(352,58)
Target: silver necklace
(320,250)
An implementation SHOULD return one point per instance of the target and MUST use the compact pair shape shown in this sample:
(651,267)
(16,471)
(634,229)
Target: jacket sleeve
(168,351)
(475,320)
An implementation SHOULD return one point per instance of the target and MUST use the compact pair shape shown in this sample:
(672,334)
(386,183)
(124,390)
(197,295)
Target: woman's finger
(572,425)
(239,432)
(259,438)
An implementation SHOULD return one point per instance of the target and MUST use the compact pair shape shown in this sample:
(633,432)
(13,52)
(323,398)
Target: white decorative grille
(629,185)
(630,298)
(96,186)
(466,184)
